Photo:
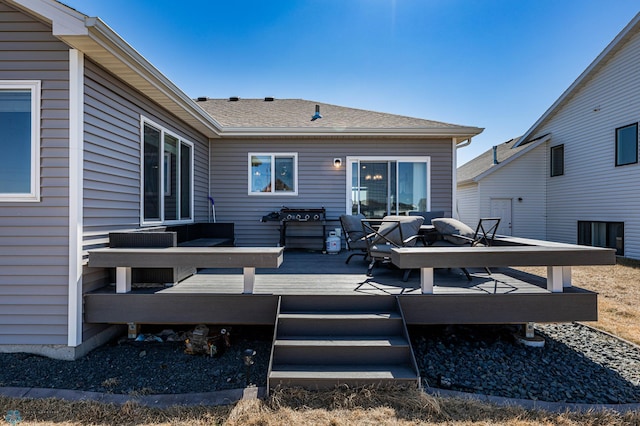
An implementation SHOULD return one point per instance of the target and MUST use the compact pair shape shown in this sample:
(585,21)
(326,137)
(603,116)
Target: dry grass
(619,314)
(298,407)
(619,295)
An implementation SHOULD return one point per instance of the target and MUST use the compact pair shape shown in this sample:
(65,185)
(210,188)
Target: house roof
(269,116)
(609,52)
(483,165)
(100,43)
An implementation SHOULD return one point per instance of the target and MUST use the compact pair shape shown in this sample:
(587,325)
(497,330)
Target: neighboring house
(505,182)
(97,140)
(586,150)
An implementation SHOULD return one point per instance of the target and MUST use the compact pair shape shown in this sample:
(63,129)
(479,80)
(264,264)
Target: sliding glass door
(388,186)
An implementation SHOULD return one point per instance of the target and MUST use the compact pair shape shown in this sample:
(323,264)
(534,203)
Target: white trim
(273,156)
(462,133)
(76,137)
(34,86)
(454,179)
(181,141)
(398,159)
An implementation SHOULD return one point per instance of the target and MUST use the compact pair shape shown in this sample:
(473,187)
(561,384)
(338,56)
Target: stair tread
(349,371)
(381,341)
(339,315)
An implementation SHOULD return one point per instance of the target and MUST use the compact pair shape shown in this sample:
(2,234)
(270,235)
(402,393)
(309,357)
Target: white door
(501,207)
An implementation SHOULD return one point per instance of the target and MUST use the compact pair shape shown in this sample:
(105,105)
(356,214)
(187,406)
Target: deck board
(216,295)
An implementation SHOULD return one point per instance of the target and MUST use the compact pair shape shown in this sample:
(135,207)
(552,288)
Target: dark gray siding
(34,236)
(319,185)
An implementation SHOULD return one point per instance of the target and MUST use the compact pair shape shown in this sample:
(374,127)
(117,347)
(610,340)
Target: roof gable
(603,58)
(484,165)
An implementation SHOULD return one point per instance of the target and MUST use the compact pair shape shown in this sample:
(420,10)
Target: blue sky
(497,64)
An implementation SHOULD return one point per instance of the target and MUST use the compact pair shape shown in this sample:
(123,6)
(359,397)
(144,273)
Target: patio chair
(354,235)
(387,233)
(457,233)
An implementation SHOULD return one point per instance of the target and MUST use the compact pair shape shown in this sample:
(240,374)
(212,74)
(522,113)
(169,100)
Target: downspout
(454,192)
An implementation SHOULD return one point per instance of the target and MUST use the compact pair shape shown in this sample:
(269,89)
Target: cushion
(449,228)
(410,226)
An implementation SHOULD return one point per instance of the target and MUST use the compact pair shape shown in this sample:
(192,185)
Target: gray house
(98,140)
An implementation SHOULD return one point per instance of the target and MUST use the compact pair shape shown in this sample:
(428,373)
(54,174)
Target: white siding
(592,187)
(467,204)
(522,178)
(319,184)
(34,236)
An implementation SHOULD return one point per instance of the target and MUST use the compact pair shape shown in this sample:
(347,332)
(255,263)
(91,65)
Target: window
(380,186)
(602,234)
(167,177)
(557,160)
(20,141)
(273,174)
(627,145)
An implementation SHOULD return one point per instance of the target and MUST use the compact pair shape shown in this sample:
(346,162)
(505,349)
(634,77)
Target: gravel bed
(144,368)
(576,365)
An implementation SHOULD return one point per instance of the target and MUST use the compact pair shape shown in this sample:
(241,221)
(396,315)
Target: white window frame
(34,86)
(397,159)
(163,131)
(273,156)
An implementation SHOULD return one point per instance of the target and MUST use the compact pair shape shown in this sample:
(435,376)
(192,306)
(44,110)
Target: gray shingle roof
(484,161)
(297,113)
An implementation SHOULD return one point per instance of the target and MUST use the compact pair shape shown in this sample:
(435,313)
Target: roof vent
(495,155)
(202,99)
(234,99)
(268,99)
(317,114)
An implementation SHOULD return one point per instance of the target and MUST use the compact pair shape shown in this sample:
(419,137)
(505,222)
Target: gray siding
(112,114)
(592,187)
(34,236)
(319,184)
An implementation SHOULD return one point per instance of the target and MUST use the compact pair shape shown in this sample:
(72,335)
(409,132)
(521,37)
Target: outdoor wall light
(337,163)
(248,356)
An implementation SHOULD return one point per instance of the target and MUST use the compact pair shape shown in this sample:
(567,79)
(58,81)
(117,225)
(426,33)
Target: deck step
(329,376)
(322,342)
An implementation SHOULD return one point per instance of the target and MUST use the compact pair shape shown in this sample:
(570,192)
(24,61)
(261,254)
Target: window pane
(627,145)
(412,187)
(185,181)
(284,174)
(557,160)
(260,173)
(170,178)
(15,143)
(374,189)
(151,176)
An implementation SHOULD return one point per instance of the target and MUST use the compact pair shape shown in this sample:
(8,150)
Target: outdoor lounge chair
(387,233)
(354,235)
(456,233)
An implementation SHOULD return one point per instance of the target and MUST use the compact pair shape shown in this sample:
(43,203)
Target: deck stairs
(324,341)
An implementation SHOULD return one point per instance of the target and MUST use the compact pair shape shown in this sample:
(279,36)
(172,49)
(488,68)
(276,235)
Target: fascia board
(63,19)
(509,160)
(465,132)
(597,63)
(111,42)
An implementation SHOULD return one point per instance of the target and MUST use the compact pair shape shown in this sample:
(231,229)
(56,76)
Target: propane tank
(333,243)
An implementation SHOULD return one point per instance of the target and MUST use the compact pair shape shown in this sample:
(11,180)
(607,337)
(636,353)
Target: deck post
(123,279)
(558,277)
(249,275)
(426,280)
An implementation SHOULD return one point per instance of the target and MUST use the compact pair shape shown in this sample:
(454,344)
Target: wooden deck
(215,295)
